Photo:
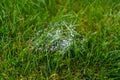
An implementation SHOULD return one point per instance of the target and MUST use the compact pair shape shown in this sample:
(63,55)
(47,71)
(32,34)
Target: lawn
(59,39)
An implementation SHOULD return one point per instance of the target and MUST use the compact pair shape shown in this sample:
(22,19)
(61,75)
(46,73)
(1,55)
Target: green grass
(59,39)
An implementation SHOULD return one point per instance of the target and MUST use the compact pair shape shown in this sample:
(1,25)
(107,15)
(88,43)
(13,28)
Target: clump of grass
(69,39)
